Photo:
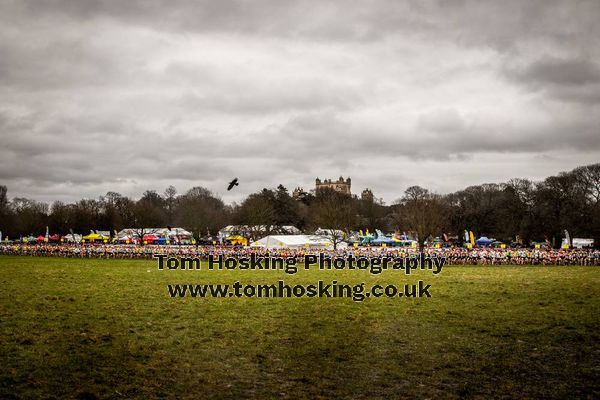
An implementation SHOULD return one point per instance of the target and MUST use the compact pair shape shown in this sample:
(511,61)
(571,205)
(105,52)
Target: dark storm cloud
(441,135)
(497,23)
(130,95)
(562,72)
(296,96)
(575,79)
(505,24)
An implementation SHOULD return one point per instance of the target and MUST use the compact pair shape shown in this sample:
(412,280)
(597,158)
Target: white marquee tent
(258,230)
(294,242)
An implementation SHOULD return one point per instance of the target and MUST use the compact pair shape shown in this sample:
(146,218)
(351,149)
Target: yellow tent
(237,239)
(92,237)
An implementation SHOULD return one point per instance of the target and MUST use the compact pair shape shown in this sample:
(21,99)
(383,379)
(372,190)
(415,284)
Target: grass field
(108,329)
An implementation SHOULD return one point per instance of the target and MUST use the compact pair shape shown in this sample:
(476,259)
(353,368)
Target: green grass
(107,329)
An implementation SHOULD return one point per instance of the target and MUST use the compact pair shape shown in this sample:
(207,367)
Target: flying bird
(232,184)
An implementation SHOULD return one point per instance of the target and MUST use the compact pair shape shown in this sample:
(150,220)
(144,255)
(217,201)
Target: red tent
(41,238)
(54,238)
(150,238)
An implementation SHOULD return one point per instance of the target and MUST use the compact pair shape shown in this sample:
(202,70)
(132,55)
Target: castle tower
(299,194)
(341,185)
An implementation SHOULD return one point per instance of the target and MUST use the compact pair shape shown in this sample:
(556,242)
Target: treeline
(532,210)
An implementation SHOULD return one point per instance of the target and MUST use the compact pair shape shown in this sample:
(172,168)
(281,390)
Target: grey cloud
(441,134)
(442,120)
(42,63)
(113,95)
(273,98)
(570,79)
(502,25)
(554,71)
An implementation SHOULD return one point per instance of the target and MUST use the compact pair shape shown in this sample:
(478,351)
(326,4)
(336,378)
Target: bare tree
(258,213)
(589,178)
(170,196)
(422,212)
(148,214)
(335,213)
(199,211)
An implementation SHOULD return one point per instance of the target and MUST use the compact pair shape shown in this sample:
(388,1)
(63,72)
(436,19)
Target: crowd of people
(453,255)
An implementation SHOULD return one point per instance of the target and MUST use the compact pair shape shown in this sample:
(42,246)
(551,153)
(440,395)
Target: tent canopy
(173,232)
(330,232)
(150,238)
(237,239)
(250,230)
(383,240)
(72,238)
(163,240)
(293,242)
(94,236)
(484,241)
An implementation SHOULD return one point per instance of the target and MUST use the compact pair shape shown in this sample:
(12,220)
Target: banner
(567,237)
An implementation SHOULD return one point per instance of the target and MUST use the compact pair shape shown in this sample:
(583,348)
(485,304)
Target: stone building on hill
(367,195)
(341,185)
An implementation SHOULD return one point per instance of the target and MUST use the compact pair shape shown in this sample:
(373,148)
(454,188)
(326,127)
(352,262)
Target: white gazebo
(293,242)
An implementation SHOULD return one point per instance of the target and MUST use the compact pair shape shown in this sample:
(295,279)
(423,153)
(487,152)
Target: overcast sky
(133,95)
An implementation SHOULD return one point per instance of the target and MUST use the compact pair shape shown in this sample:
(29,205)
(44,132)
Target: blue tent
(484,241)
(162,240)
(383,240)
